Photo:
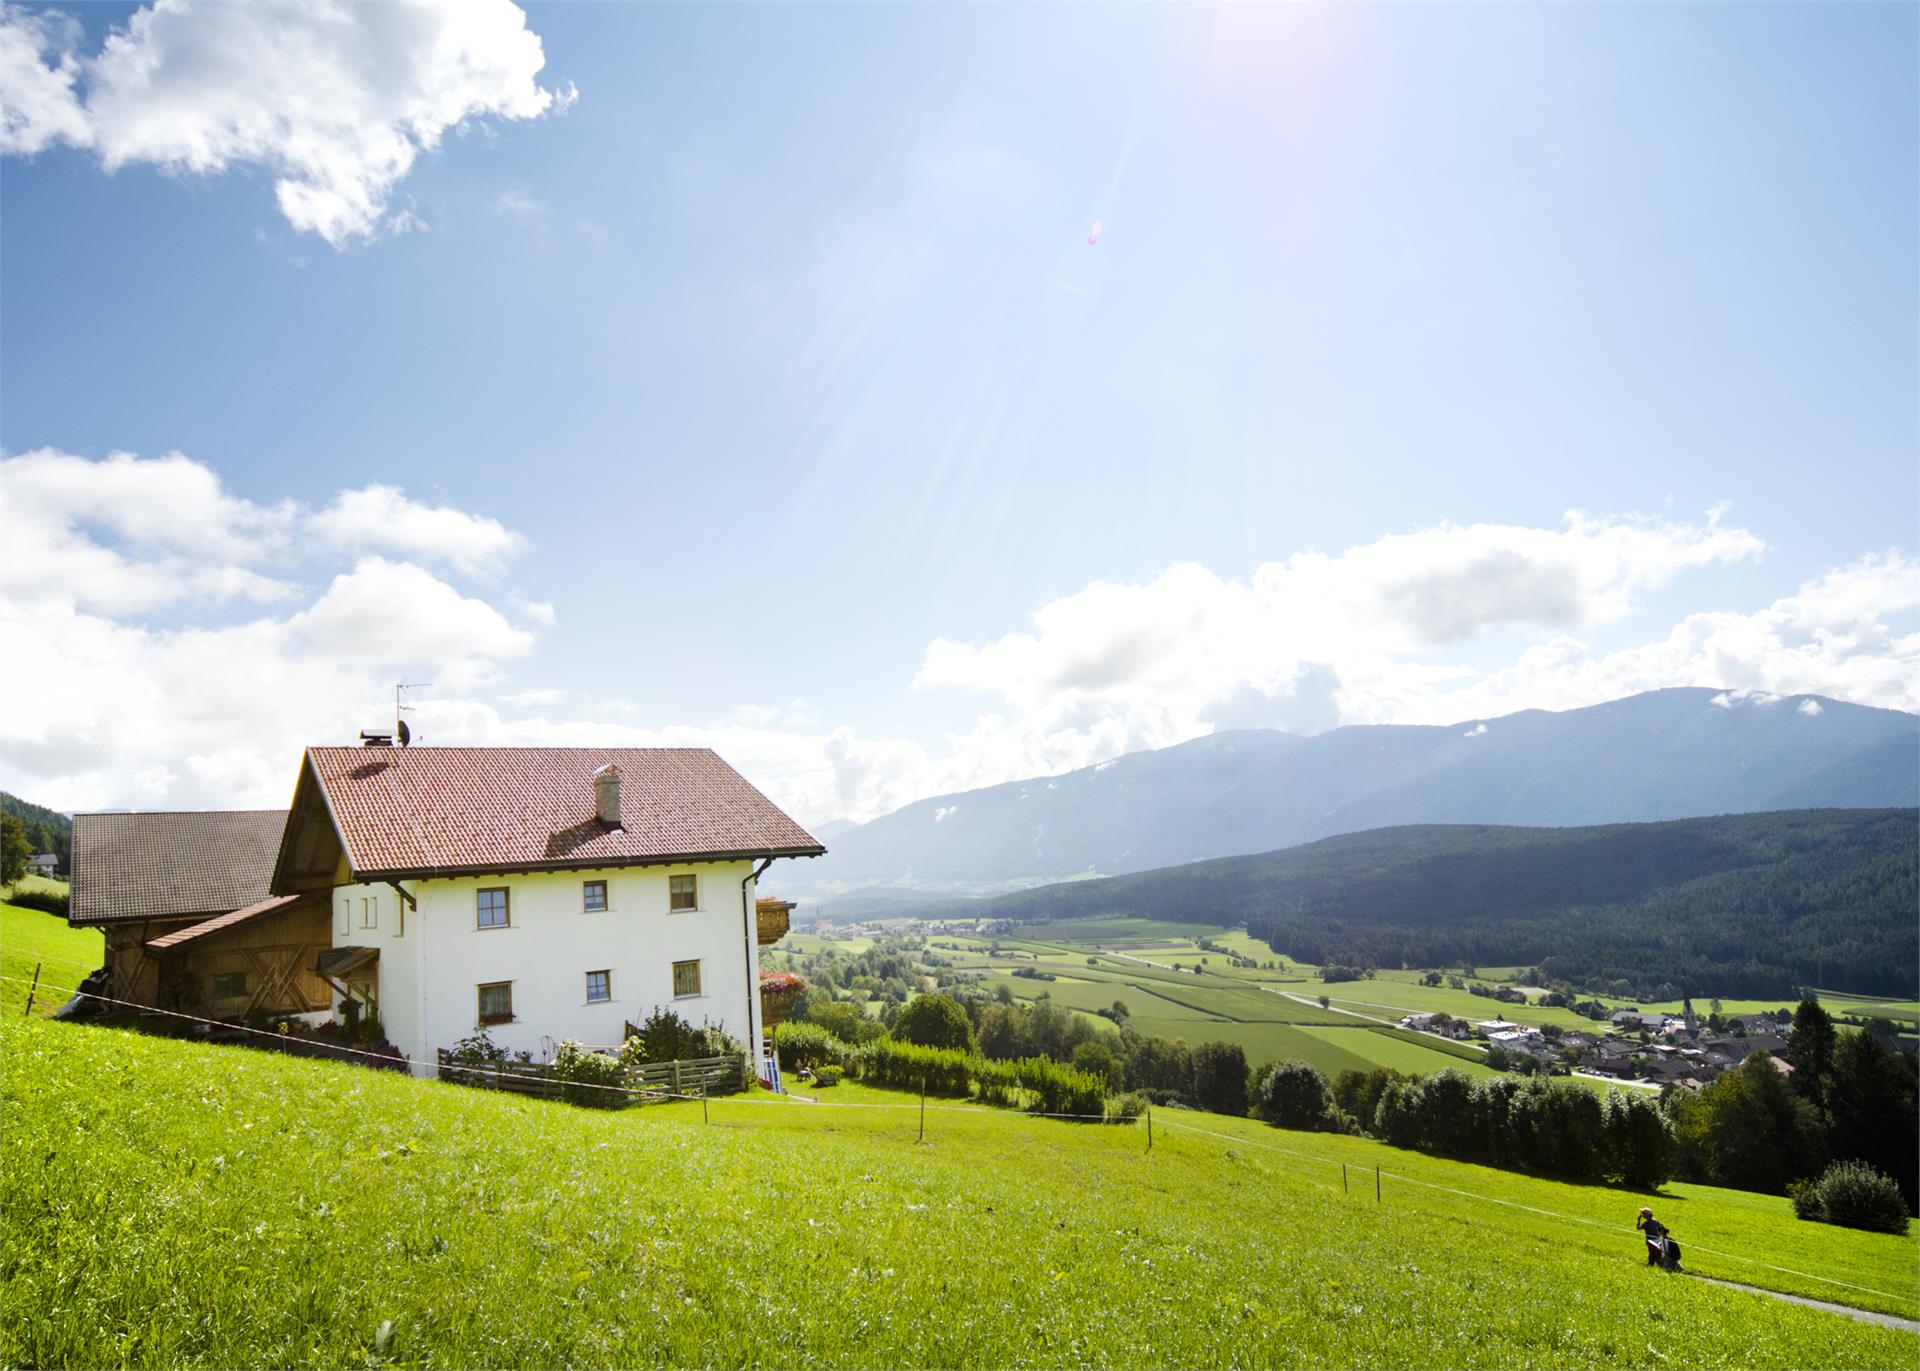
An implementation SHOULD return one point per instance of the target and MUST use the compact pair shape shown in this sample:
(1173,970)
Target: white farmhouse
(539,893)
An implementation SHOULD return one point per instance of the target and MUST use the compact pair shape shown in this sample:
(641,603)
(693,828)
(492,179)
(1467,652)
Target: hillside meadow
(174,1204)
(30,938)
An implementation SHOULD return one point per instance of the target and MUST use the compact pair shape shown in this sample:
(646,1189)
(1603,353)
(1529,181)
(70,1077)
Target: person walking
(1656,1234)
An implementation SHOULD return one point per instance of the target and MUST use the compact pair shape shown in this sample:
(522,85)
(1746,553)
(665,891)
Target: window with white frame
(683,893)
(686,979)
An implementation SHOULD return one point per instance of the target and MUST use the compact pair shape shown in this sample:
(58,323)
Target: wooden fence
(699,1076)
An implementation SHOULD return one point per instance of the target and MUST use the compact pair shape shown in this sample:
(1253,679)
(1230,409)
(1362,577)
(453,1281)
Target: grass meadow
(30,936)
(174,1204)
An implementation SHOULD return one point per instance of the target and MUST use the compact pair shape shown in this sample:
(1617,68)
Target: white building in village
(539,893)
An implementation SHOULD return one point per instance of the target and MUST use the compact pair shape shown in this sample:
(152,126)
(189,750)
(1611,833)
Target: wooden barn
(190,924)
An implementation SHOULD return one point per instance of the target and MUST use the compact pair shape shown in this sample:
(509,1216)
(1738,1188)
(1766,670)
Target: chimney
(606,795)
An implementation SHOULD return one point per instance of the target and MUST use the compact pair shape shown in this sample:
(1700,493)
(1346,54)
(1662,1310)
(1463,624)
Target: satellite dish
(403,733)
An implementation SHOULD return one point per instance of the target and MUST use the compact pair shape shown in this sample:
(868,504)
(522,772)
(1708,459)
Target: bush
(805,1046)
(909,1066)
(1853,1195)
(477,1050)
(46,901)
(1126,1108)
(1220,1078)
(587,1077)
(1295,1095)
(826,1077)
(934,1021)
(1057,1089)
(666,1037)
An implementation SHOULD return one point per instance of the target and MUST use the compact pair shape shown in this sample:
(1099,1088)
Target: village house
(43,864)
(536,893)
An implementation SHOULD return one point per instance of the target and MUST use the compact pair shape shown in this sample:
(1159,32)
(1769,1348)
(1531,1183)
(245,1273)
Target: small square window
(686,979)
(683,892)
(492,909)
(496,1003)
(230,985)
(599,986)
(593,895)
(369,911)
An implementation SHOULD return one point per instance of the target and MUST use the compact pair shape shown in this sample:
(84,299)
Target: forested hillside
(48,830)
(1752,904)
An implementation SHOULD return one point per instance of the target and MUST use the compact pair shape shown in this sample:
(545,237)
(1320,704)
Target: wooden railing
(698,1076)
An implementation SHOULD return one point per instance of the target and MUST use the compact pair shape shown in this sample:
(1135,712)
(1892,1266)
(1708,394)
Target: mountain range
(1664,754)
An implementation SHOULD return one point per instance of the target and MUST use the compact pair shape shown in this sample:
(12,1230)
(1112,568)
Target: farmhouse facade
(537,893)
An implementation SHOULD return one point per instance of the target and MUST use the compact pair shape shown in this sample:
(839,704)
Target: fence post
(703,1106)
(31,990)
(1376,1185)
(1343,1178)
(1149,1128)
(923,1106)
(676,1075)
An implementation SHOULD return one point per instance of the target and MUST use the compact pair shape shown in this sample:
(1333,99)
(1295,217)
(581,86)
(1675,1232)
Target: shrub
(666,1037)
(826,1076)
(1853,1195)
(847,1022)
(1295,1095)
(934,1021)
(805,1046)
(46,901)
(1097,1059)
(1220,1078)
(909,1066)
(1057,1089)
(585,1076)
(478,1050)
(1126,1108)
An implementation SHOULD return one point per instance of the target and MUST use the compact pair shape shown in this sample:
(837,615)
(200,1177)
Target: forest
(1738,905)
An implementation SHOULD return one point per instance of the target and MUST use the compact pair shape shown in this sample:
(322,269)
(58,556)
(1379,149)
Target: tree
(1220,1078)
(1097,1059)
(1810,1045)
(1162,1067)
(934,1021)
(1871,1103)
(1295,1095)
(15,849)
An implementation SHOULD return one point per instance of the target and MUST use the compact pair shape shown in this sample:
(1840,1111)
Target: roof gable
(438,811)
(170,865)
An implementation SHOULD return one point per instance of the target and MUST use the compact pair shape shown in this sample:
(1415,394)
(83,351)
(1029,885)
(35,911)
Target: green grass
(174,1204)
(29,936)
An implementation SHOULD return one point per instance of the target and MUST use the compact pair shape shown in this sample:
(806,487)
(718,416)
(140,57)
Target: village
(1651,1048)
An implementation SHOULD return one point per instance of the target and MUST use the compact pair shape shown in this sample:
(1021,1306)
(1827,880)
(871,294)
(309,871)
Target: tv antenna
(401,733)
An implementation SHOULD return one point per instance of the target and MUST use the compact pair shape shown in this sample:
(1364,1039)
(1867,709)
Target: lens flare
(1094,236)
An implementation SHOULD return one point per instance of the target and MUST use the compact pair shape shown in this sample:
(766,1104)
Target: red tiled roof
(439,810)
(156,866)
(215,924)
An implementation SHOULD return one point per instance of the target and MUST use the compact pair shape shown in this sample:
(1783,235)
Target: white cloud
(941,812)
(382,517)
(37,73)
(1477,731)
(1811,708)
(533,611)
(520,204)
(336,99)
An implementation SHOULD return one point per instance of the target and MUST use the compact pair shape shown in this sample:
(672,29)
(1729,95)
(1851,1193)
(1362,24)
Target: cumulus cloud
(382,517)
(1811,708)
(338,100)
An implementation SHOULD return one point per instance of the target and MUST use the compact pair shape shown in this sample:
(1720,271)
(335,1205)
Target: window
(493,909)
(682,893)
(593,895)
(496,1003)
(686,979)
(599,986)
(230,985)
(370,911)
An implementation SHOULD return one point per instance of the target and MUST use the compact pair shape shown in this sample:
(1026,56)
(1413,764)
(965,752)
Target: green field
(488,1230)
(29,936)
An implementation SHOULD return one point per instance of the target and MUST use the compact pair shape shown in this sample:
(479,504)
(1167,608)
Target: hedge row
(1037,1084)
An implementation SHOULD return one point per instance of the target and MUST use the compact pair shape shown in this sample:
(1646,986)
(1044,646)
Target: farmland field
(489,1230)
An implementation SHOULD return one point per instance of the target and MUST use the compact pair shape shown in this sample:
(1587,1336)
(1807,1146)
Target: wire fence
(790,1101)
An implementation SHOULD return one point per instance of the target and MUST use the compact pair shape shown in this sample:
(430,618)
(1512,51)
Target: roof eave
(589,864)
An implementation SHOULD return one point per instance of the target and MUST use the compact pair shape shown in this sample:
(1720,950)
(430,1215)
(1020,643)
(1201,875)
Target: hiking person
(1662,1250)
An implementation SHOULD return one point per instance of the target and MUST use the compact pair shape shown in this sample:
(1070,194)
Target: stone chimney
(606,795)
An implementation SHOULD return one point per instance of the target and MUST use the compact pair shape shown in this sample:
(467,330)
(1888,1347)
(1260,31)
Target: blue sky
(782,367)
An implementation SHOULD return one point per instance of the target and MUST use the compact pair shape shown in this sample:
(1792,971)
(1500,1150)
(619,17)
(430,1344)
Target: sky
(745,376)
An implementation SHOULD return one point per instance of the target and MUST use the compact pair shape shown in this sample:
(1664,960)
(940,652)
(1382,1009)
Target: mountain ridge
(1667,754)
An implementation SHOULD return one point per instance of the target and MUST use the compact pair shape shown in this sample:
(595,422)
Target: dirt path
(1331,1009)
(1893,1321)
